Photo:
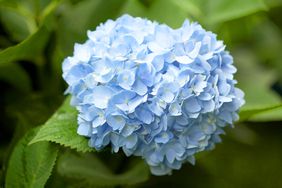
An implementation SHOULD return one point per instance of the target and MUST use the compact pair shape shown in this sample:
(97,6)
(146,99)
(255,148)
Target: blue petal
(139,87)
(144,115)
(128,129)
(208,106)
(131,141)
(163,137)
(84,129)
(122,97)
(184,59)
(117,122)
(191,105)
(166,92)
(77,72)
(183,77)
(146,74)
(136,102)
(82,52)
(100,96)
(195,49)
(156,107)
(170,155)
(98,121)
(127,101)
(175,109)
(126,79)
(158,63)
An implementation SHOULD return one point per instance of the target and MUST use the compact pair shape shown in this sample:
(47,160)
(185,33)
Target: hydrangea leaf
(28,48)
(90,13)
(234,155)
(18,25)
(255,81)
(273,3)
(33,45)
(222,10)
(267,116)
(270,113)
(30,165)
(152,11)
(20,18)
(61,128)
(21,81)
(91,171)
(218,11)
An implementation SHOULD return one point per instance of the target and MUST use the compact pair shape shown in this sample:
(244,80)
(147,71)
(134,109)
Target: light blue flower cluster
(160,93)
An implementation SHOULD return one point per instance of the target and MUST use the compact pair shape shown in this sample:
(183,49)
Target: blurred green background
(36,35)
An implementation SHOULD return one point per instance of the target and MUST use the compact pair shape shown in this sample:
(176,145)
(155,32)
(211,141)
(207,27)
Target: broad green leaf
(19,79)
(30,165)
(191,7)
(89,13)
(273,3)
(235,164)
(32,7)
(275,114)
(171,17)
(92,171)
(17,25)
(22,114)
(32,46)
(270,113)
(22,18)
(268,34)
(28,49)
(222,10)
(255,82)
(61,128)
(218,11)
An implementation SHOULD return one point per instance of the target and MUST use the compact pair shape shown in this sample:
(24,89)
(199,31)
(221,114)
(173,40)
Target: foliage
(31,166)
(93,172)
(61,128)
(36,35)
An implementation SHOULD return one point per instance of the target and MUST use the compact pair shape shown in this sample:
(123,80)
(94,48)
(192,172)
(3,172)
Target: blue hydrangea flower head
(152,91)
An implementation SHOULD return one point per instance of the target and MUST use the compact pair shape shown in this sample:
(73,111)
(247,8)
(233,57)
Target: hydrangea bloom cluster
(160,93)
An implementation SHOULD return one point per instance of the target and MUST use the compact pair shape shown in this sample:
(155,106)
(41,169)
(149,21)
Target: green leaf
(268,116)
(30,166)
(61,128)
(21,81)
(18,25)
(218,11)
(92,171)
(255,81)
(171,17)
(22,18)
(33,45)
(89,13)
(235,164)
(192,8)
(27,49)
(269,113)
(222,10)
(273,3)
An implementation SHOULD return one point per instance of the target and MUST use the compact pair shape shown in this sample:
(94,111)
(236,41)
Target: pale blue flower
(151,91)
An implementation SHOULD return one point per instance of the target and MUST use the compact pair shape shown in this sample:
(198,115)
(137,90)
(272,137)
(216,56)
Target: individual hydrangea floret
(152,91)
